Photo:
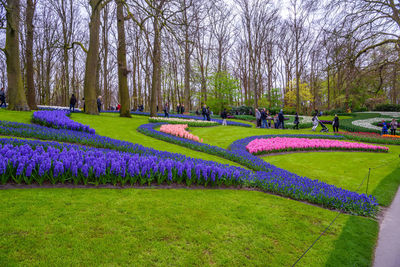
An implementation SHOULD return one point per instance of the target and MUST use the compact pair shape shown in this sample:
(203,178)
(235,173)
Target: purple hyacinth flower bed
(59,119)
(24,161)
(92,167)
(27,164)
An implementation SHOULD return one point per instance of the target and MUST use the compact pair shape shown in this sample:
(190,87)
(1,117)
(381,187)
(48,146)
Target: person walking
(178,109)
(281,119)
(72,103)
(296,121)
(258,118)
(208,112)
(276,121)
(224,116)
(204,112)
(264,119)
(182,108)
(393,126)
(269,119)
(335,123)
(99,103)
(3,98)
(166,110)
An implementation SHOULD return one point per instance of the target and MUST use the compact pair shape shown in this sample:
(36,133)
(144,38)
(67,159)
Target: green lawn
(91,227)
(55,227)
(347,169)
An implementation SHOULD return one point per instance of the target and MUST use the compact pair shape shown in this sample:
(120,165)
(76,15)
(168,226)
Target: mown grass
(55,227)
(91,227)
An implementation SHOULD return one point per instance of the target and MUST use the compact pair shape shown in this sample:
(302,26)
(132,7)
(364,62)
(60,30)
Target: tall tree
(17,97)
(122,67)
(92,58)
(30,11)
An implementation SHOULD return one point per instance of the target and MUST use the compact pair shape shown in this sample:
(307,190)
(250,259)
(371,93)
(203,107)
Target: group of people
(205,111)
(264,119)
(393,127)
(180,109)
(73,101)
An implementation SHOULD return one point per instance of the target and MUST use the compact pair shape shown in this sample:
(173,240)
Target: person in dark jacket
(204,112)
(296,121)
(224,116)
(258,118)
(335,123)
(264,123)
(72,103)
(208,113)
(182,108)
(281,119)
(3,98)
(166,110)
(99,103)
(178,109)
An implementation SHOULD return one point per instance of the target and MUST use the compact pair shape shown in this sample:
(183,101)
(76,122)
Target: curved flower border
(273,179)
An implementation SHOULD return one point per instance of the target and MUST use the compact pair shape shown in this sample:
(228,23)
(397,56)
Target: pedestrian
(197,112)
(3,98)
(208,112)
(72,103)
(99,103)
(276,121)
(335,123)
(166,110)
(204,112)
(182,108)
(224,116)
(269,118)
(258,118)
(178,109)
(296,121)
(281,119)
(264,123)
(315,122)
(384,128)
(393,127)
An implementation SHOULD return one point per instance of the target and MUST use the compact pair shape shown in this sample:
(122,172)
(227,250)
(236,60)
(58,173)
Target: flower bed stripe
(59,119)
(284,144)
(189,122)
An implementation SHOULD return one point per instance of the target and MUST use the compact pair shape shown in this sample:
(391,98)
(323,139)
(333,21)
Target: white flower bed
(55,107)
(367,123)
(191,122)
(302,119)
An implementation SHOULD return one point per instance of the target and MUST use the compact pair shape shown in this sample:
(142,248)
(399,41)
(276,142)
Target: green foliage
(223,91)
(291,95)
(387,107)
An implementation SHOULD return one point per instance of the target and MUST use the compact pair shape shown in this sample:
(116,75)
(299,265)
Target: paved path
(387,253)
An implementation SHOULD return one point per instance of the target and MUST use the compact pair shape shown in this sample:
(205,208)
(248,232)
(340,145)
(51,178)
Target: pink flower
(179,130)
(287,143)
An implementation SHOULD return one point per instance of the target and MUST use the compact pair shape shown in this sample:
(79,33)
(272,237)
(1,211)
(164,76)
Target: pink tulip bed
(287,144)
(180,131)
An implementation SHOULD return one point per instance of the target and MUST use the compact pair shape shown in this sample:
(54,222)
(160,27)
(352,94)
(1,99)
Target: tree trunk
(156,83)
(91,59)
(17,97)
(125,110)
(30,10)
(329,91)
(105,59)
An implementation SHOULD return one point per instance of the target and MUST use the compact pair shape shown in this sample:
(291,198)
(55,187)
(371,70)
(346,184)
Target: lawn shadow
(355,245)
